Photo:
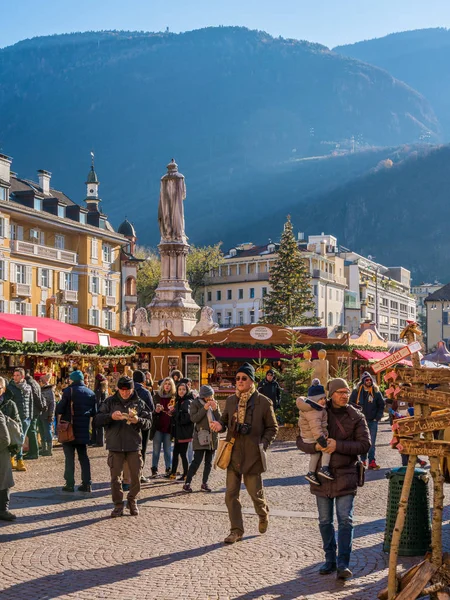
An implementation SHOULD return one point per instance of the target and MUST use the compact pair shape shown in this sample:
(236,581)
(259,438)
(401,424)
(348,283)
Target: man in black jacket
(270,388)
(367,397)
(124,415)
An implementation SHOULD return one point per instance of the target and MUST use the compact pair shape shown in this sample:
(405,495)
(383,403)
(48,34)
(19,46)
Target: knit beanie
(248,370)
(316,391)
(337,384)
(76,376)
(206,391)
(366,375)
(138,377)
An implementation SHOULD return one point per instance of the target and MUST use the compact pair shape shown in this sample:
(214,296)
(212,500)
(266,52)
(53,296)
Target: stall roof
(248,353)
(374,356)
(11,327)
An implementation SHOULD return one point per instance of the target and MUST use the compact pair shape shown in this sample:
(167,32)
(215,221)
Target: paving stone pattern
(66,545)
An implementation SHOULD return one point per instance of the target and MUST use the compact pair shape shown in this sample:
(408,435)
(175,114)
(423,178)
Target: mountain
(230,104)
(398,213)
(420,58)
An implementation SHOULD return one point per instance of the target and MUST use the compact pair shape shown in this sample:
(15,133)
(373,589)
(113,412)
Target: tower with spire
(92,198)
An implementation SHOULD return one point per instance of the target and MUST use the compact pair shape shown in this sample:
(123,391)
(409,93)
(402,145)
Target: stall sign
(261,333)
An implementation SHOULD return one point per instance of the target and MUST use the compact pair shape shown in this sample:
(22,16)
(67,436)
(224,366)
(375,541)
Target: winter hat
(316,391)
(125,383)
(366,375)
(138,377)
(76,376)
(337,384)
(270,372)
(185,380)
(100,377)
(247,369)
(206,391)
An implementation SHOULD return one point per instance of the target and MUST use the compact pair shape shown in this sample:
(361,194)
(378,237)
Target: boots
(13,463)
(5,515)
(20,465)
(47,449)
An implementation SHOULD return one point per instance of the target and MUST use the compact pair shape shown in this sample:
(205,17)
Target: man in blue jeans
(348,437)
(368,398)
(22,396)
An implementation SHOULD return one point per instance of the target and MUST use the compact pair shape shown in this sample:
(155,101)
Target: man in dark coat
(124,416)
(38,408)
(23,399)
(348,437)
(250,421)
(144,394)
(83,401)
(368,398)
(271,388)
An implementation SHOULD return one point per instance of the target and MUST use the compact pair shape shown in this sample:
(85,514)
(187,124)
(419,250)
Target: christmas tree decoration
(290,302)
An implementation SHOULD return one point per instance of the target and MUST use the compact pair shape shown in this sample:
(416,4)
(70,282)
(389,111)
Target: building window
(240,294)
(219,318)
(45,278)
(109,288)
(330,319)
(106,253)
(394,321)
(38,204)
(94,317)
(16,232)
(229,294)
(2,227)
(209,296)
(229,317)
(2,194)
(61,211)
(94,248)
(109,319)
(394,304)
(384,320)
(385,302)
(95,286)
(130,286)
(315,290)
(403,307)
(21,275)
(41,310)
(2,270)
(445,318)
(264,292)
(252,316)
(218,295)
(60,241)
(83,218)
(252,293)
(3,306)
(241,317)
(20,308)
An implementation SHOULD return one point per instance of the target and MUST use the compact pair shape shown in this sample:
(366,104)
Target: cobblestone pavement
(67,546)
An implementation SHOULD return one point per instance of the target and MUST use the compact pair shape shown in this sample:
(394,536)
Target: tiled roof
(442,294)
(24,185)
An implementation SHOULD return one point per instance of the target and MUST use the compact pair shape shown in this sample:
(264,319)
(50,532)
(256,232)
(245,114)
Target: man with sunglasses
(250,421)
(348,437)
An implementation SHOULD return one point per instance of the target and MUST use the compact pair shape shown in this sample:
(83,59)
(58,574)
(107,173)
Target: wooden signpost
(411,426)
(396,357)
(423,396)
(425,376)
(423,447)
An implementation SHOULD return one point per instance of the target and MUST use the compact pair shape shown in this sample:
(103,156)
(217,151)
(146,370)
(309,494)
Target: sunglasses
(241,378)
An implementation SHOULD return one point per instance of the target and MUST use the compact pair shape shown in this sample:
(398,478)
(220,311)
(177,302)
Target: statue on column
(171,209)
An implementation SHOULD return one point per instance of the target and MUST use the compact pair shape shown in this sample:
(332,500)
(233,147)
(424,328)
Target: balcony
(69,296)
(130,299)
(319,274)
(20,290)
(238,278)
(109,301)
(47,252)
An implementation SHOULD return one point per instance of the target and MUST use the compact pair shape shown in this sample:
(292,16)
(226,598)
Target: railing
(264,276)
(21,289)
(109,301)
(130,299)
(70,296)
(30,249)
(319,274)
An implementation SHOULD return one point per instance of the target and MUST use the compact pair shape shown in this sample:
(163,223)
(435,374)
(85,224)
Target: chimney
(323,247)
(44,181)
(5,168)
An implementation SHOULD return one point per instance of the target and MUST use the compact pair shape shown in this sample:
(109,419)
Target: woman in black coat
(182,430)
(101,393)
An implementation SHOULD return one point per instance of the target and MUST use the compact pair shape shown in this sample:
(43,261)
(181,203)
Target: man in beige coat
(250,420)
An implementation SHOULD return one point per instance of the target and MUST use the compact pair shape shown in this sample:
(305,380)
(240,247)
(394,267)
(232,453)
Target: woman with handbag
(6,476)
(204,410)
(160,433)
(182,430)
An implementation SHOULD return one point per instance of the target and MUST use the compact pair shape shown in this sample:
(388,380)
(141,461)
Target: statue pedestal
(173,307)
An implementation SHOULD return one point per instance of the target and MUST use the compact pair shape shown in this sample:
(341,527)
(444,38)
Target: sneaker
(421,463)
(125,487)
(5,515)
(181,478)
(312,478)
(144,479)
(68,488)
(373,467)
(187,488)
(84,488)
(325,473)
(205,488)
(344,573)
(117,511)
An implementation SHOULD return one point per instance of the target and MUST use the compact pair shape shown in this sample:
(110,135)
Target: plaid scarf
(243,400)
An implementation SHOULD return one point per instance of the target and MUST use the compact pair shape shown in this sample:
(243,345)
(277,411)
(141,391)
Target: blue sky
(330,22)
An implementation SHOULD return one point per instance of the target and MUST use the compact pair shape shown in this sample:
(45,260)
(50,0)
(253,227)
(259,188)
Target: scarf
(368,390)
(243,400)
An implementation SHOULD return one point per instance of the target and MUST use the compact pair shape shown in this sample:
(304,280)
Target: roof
(92,176)
(442,294)
(25,185)
(49,329)
(127,229)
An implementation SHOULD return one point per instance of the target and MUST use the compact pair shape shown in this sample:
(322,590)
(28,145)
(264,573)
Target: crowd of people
(338,428)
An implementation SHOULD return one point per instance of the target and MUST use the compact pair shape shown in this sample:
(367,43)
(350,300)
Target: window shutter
(75,282)
(12,308)
(28,275)
(50,279)
(113,321)
(6,270)
(19,232)
(42,238)
(61,313)
(74,314)
(90,316)
(62,280)
(12,272)
(90,285)
(7,231)
(3,304)
(29,306)
(39,277)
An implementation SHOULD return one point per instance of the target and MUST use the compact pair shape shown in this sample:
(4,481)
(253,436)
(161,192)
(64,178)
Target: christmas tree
(290,302)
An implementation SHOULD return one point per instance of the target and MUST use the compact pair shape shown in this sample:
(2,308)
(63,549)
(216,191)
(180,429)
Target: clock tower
(92,183)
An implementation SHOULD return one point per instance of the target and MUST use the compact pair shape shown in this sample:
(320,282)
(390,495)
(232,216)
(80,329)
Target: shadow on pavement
(285,481)
(72,581)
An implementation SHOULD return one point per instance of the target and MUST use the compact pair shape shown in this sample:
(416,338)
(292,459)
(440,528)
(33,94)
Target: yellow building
(57,258)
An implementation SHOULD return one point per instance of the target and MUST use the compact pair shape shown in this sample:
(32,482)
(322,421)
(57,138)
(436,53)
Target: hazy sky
(330,22)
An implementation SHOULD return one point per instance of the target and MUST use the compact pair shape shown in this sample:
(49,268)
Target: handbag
(204,437)
(64,429)
(223,455)
(360,468)
(15,434)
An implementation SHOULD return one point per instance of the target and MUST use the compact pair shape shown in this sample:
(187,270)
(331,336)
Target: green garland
(314,346)
(65,349)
